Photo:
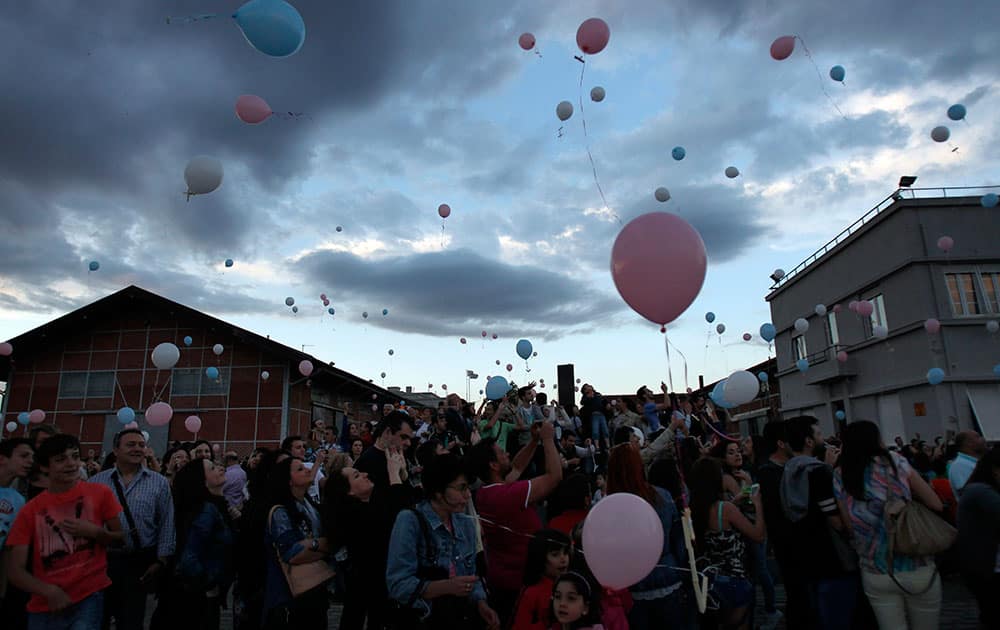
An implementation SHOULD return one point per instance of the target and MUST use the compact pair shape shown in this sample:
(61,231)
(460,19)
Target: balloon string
(586,143)
(121,391)
(187,19)
(670,374)
(822,85)
(684,360)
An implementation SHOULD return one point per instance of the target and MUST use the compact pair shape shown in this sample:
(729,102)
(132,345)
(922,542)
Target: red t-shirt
(506,504)
(76,565)
(533,607)
(566,521)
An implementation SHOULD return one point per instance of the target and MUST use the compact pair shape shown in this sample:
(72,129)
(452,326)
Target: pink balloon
(444,210)
(252,109)
(782,47)
(837,308)
(658,264)
(592,36)
(305,367)
(37,416)
(322,296)
(526,41)
(853,306)
(494,335)
(945,243)
(159,414)
(623,537)
(842,356)
(509,367)
(6,349)
(131,425)
(192,424)
(484,334)
(747,336)
(865,308)
(932,326)
(216,448)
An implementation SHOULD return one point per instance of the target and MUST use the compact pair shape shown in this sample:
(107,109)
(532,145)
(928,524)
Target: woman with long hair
(202,571)
(660,599)
(867,477)
(719,530)
(979,536)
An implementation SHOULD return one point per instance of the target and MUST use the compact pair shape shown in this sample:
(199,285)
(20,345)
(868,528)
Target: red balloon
(484,334)
(782,47)
(592,36)
(252,109)
(526,41)
(658,263)
(509,367)
(747,336)
(494,335)
(444,210)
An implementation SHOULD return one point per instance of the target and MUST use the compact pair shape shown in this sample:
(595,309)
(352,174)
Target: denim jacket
(674,554)
(407,547)
(204,560)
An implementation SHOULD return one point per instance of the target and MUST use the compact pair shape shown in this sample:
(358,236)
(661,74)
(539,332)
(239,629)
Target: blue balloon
(212,372)
(524,349)
(840,415)
(956,111)
(710,317)
(802,364)
(23,417)
(718,397)
(94,265)
(762,377)
(989,200)
(496,388)
(996,370)
(295,309)
(385,312)
(837,73)
(273,27)
(188,341)
(678,153)
(935,376)
(331,311)
(229,262)
(768,332)
(126,415)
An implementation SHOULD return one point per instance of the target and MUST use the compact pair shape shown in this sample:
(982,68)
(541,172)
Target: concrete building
(892,258)
(84,366)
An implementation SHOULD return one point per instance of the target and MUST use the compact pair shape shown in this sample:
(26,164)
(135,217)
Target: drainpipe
(285,395)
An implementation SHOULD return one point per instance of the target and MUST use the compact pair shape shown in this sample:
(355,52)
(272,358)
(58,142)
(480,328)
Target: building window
(215,387)
(964,294)
(194,382)
(878,313)
(991,291)
(799,347)
(87,384)
(832,334)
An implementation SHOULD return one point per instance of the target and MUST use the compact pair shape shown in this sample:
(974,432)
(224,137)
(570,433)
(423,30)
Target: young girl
(548,558)
(575,606)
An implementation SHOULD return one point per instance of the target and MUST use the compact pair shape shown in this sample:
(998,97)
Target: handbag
(915,530)
(302,577)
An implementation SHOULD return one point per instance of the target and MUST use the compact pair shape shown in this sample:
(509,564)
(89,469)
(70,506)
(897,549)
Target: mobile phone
(752,489)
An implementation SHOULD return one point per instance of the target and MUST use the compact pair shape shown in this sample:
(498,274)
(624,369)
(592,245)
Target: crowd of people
(473,517)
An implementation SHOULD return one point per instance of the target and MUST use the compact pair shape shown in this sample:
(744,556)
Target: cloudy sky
(408,105)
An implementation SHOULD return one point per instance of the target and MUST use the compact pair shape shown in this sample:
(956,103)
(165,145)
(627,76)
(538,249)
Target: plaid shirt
(152,507)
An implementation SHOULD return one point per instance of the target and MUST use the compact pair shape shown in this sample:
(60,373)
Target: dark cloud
(459,292)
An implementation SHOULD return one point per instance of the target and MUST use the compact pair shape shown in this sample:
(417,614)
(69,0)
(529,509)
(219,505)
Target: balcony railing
(900,193)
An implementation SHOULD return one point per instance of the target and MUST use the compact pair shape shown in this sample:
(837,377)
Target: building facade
(894,257)
(81,368)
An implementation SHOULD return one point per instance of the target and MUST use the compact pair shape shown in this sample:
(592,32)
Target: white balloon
(265,375)
(203,174)
(992,326)
(820,310)
(11,427)
(940,134)
(597,94)
(564,110)
(218,349)
(662,194)
(741,387)
(165,356)
(145,435)
(732,171)
(801,325)
(879,331)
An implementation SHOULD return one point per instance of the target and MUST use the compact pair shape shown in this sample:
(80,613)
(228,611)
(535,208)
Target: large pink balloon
(252,109)
(593,35)
(6,349)
(305,367)
(444,210)
(623,539)
(192,424)
(782,47)
(865,308)
(945,243)
(37,416)
(526,41)
(658,264)
(159,414)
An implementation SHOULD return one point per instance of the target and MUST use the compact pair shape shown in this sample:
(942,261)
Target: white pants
(893,607)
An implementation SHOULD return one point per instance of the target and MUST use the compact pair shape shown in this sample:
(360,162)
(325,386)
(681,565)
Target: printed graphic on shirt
(58,550)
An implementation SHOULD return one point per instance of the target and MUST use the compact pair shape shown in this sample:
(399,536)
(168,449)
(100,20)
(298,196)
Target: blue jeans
(83,615)
(763,575)
(675,611)
(834,600)
(599,428)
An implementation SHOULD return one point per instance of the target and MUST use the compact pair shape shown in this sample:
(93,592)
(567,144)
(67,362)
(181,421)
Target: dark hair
(541,398)
(55,445)
(623,435)
(985,469)
(587,591)
(862,444)
(42,428)
(426,451)
(798,430)
(439,472)
(211,451)
(572,493)
(641,392)
(719,452)
(481,456)
(544,541)
(704,489)
(118,436)
(8,446)
(663,473)
(568,433)
(774,432)
(190,496)
(280,490)
(286,444)
(393,422)
(626,474)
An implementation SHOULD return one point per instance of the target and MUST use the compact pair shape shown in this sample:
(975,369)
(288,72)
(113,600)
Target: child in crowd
(575,605)
(548,558)
(599,484)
